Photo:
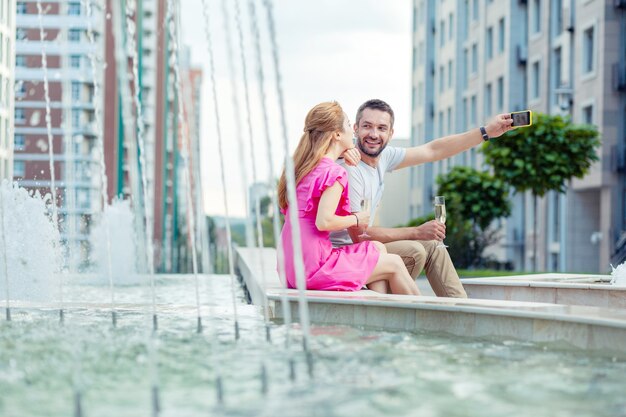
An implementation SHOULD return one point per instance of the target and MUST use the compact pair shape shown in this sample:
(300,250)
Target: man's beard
(368,153)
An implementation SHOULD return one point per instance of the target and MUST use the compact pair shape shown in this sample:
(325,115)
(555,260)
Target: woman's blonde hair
(321,122)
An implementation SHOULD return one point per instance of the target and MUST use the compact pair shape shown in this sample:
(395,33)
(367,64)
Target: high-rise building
(473,59)
(189,173)
(7,71)
(151,68)
(70,102)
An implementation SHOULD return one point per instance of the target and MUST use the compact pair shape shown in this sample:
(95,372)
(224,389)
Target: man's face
(373,131)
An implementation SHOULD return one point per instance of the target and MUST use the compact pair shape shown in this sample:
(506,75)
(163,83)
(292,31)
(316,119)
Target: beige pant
(420,254)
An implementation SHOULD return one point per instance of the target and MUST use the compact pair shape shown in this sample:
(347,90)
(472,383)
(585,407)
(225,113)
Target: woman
(323,206)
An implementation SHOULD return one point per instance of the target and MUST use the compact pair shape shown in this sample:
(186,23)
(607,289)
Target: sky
(343,50)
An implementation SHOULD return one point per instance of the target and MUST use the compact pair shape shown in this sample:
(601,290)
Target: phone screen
(521,118)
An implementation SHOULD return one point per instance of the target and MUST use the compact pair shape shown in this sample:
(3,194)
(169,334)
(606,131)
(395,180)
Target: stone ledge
(581,326)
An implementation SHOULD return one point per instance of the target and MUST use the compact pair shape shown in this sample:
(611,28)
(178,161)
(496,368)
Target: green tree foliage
(475,196)
(474,200)
(545,156)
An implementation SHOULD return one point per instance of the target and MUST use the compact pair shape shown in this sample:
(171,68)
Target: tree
(543,157)
(474,200)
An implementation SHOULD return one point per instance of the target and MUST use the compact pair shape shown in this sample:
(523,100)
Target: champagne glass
(440,214)
(366,206)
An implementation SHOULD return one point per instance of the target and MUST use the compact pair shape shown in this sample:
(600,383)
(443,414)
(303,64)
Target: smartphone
(522,118)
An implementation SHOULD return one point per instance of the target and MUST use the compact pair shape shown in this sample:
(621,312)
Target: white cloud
(348,51)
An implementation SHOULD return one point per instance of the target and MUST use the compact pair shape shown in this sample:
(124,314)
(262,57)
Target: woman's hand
(352,157)
(364,218)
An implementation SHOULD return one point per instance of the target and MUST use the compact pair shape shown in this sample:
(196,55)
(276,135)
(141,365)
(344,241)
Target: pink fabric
(325,268)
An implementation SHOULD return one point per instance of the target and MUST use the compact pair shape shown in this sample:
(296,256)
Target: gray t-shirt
(366,182)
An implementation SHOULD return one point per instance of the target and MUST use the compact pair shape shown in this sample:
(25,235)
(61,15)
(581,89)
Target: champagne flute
(440,214)
(365,206)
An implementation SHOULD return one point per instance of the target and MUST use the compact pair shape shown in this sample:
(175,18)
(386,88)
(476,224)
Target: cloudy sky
(344,50)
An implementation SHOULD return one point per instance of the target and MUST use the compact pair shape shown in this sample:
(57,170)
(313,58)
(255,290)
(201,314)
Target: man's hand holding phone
(522,118)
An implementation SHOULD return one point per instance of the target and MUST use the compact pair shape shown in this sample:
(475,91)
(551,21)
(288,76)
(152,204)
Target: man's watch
(483,132)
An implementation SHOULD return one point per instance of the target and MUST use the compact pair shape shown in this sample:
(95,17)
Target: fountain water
(257,205)
(31,245)
(106,260)
(231,271)
(116,224)
(4,260)
(174,48)
(291,192)
(618,275)
(44,66)
(130,13)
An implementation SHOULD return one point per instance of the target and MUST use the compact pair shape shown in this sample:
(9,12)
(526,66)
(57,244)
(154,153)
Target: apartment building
(473,59)
(70,91)
(7,64)
(158,100)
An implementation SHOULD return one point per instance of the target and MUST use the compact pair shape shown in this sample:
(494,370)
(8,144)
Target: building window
(20,34)
(76,90)
(466,65)
(420,93)
(489,44)
(449,74)
(442,33)
(20,142)
(464,124)
(588,50)
(20,61)
(20,116)
(500,94)
(587,114)
(535,90)
(558,16)
(475,10)
(75,61)
(473,111)
(75,119)
(73,35)
(440,123)
(73,9)
(488,108)
(474,59)
(19,169)
(557,67)
(441,78)
(449,120)
(536,16)
(21,7)
(82,198)
(501,36)
(420,52)
(20,89)
(451,26)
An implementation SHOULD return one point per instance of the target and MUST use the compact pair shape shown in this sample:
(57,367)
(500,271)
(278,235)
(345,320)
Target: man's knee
(416,250)
(413,255)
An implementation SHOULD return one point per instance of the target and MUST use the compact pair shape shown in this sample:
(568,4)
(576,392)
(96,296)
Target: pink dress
(325,268)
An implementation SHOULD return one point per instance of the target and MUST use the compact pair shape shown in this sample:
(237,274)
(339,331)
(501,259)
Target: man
(417,246)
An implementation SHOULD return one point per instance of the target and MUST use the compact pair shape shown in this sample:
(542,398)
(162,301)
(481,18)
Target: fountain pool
(358,371)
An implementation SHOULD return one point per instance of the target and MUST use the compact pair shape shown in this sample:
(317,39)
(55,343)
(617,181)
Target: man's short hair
(375,104)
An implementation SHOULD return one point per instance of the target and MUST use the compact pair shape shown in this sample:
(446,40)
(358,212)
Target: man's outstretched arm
(431,230)
(451,145)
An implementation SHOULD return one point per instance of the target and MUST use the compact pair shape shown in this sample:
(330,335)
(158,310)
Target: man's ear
(391,133)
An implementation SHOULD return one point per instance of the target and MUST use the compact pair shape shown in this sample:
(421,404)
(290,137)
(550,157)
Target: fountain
(31,245)
(115,225)
(394,358)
